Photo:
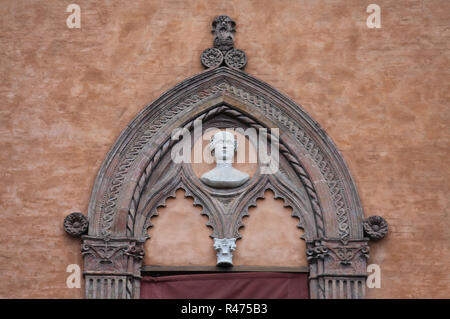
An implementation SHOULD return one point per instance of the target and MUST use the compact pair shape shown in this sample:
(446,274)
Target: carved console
(224,248)
(139,174)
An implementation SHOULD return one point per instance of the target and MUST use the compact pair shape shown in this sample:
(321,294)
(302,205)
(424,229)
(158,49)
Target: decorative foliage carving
(236,59)
(375,227)
(224,248)
(345,254)
(317,251)
(223,29)
(137,252)
(295,164)
(76,224)
(121,258)
(212,58)
(105,254)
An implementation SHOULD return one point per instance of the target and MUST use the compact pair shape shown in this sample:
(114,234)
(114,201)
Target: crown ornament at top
(223,52)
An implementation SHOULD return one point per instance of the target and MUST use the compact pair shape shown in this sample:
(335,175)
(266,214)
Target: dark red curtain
(248,285)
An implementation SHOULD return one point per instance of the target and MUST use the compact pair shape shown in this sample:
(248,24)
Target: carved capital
(346,254)
(115,256)
(112,268)
(316,251)
(337,270)
(224,248)
(76,224)
(375,227)
(339,258)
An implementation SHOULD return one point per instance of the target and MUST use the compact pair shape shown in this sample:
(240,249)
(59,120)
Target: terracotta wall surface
(270,236)
(381,94)
(179,236)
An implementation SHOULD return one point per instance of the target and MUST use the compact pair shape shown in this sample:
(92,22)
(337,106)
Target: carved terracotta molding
(337,270)
(76,224)
(112,268)
(175,177)
(262,109)
(375,227)
(223,30)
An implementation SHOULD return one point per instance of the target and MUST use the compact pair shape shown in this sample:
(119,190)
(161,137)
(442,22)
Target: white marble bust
(224,175)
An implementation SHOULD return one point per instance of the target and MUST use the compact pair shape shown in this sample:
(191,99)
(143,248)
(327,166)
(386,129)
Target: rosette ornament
(375,227)
(76,224)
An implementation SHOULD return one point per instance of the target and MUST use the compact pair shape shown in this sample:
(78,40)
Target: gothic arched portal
(138,175)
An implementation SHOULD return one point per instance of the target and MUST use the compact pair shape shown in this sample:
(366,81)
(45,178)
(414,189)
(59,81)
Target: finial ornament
(223,52)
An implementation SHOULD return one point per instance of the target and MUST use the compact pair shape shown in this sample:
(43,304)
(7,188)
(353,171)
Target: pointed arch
(331,213)
(147,138)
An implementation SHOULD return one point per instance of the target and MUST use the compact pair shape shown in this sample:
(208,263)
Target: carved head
(224,145)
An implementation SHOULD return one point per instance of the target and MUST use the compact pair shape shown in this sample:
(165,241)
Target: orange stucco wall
(381,94)
(179,236)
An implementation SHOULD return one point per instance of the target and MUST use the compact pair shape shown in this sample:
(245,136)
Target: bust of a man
(224,175)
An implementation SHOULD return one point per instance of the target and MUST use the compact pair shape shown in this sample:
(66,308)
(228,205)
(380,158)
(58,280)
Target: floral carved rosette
(236,59)
(375,227)
(76,224)
(211,58)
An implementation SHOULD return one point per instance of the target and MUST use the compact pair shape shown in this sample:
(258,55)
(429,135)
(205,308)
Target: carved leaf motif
(375,227)
(76,224)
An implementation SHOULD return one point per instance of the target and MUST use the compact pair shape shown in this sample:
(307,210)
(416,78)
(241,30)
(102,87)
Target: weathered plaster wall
(381,94)
(270,236)
(179,236)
